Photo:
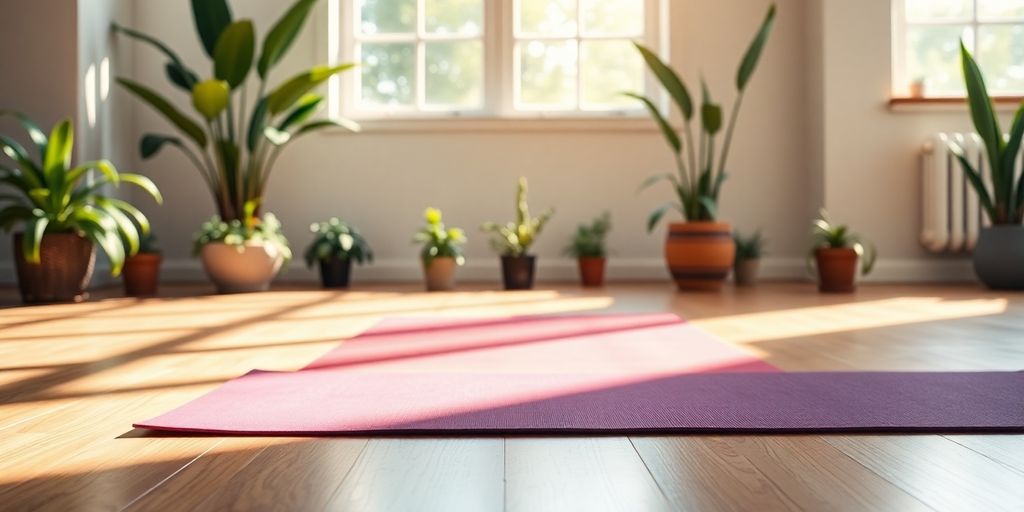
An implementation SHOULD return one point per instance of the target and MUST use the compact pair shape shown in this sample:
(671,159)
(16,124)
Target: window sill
(949,104)
(505,125)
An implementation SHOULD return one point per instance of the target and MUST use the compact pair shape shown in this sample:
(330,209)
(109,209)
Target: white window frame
(499,69)
(900,80)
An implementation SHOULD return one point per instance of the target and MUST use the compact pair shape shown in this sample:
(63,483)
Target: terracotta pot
(440,274)
(746,271)
(64,271)
(837,270)
(335,272)
(592,271)
(700,254)
(517,272)
(241,269)
(142,274)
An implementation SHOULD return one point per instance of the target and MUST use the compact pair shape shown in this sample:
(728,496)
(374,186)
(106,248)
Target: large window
(927,35)
(490,58)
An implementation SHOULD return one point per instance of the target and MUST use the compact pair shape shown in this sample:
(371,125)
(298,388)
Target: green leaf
(306,107)
(211,97)
(32,239)
(669,79)
(656,215)
(1009,160)
(256,124)
(710,205)
(178,73)
(711,117)
(181,77)
(104,166)
(139,218)
(979,185)
(29,171)
(11,214)
(34,132)
(234,53)
(125,226)
(211,17)
(144,183)
(326,123)
(649,182)
(58,153)
(152,143)
(983,115)
(99,227)
(179,120)
(282,35)
(753,55)
(291,91)
(276,137)
(666,129)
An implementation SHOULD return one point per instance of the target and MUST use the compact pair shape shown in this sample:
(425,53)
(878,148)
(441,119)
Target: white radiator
(950,211)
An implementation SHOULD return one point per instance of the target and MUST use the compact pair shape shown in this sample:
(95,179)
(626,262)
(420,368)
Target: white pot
(241,269)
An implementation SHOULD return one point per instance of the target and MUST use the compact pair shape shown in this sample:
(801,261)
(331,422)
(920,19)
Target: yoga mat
(615,374)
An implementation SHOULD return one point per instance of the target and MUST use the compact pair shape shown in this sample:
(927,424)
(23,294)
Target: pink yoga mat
(582,374)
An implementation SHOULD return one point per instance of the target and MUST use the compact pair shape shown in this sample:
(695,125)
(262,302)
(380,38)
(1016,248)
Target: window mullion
(579,55)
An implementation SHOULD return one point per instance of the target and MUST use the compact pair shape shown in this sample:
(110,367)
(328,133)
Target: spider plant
(234,147)
(1003,199)
(826,234)
(699,174)
(50,196)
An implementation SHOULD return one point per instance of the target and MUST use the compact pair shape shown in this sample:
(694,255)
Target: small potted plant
(142,272)
(442,251)
(335,246)
(748,258)
(588,248)
(242,255)
(837,250)
(513,242)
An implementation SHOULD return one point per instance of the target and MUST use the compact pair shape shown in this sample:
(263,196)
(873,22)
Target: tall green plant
(234,147)
(1003,200)
(702,169)
(49,196)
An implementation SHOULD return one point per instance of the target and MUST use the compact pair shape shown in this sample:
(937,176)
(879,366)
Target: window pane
(620,17)
(388,74)
(939,10)
(933,54)
(1001,57)
(454,73)
(547,74)
(996,10)
(549,17)
(608,69)
(454,16)
(387,16)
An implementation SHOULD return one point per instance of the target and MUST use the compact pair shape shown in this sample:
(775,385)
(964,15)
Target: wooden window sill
(953,104)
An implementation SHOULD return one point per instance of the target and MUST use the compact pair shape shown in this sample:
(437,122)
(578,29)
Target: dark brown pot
(517,272)
(63,273)
(746,271)
(142,274)
(592,271)
(837,270)
(700,254)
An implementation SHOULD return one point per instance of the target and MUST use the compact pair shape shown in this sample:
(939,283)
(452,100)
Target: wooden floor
(74,377)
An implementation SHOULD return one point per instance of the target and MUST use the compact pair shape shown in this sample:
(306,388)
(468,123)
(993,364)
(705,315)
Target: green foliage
(588,242)
(439,241)
(232,143)
(699,176)
(337,239)
(49,196)
(749,247)
(237,233)
(515,238)
(829,235)
(1003,200)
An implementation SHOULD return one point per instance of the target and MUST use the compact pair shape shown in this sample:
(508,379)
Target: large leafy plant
(700,172)
(827,234)
(50,196)
(439,241)
(1003,197)
(234,145)
(515,238)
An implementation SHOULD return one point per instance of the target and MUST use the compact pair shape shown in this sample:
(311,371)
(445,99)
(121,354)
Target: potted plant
(700,251)
(142,271)
(836,251)
(234,143)
(63,215)
(335,246)
(513,242)
(588,248)
(442,251)
(748,258)
(1000,249)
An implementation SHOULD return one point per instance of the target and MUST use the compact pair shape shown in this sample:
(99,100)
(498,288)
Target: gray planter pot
(999,257)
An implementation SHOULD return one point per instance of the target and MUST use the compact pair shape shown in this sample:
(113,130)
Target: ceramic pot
(999,257)
(335,273)
(241,269)
(141,274)
(699,254)
(746,271)
(517,272)
(837,270)
(63,272)
(440,274)
(592,271)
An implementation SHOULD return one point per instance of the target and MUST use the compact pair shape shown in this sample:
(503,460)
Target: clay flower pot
(440,274)
(241,269)
(592,271)
(64,271)
(141,274)
(700,254)
(837,270)
(517,272)
(335,272)
(746,271)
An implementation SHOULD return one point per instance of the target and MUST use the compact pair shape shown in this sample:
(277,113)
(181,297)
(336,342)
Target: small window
(927,35)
